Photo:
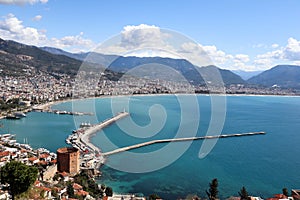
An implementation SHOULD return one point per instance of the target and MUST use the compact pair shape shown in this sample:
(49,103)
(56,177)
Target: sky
(237,35)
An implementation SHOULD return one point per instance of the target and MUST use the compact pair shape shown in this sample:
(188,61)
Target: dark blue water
(263,164)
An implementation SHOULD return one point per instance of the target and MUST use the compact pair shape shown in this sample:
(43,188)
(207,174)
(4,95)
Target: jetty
(84,138)
(80,138)
(179,140)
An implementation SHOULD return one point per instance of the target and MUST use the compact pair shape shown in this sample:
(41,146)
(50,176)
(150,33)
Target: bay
(263,164)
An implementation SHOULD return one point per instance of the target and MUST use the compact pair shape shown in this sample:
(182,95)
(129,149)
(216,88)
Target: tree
(213,190)
(70,190)
(244,194)
(19,177)
(153,197)
(285,192)
(109,191)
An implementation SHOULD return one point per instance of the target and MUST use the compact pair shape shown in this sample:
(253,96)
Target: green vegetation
(244,194)
(213,190)
(19,56)
(10,104)
(108,191)
(88,184)
(70,190)
(285,192)
(153,197)
(19,177)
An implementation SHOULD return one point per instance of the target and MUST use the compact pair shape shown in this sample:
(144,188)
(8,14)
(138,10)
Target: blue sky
(249,35)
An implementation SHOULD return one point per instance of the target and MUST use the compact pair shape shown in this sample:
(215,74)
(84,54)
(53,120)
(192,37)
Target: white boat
(20,114)
(85,124)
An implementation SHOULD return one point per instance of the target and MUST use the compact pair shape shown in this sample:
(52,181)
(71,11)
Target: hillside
(92,57)
(16,58)
(157,67)
(284,76)
(150,67)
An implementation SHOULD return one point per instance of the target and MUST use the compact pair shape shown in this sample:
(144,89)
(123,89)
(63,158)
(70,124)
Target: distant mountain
(56,51)
(246,74)
(285,76)
(16,57)
(166,68)
(151,67)
(92,57)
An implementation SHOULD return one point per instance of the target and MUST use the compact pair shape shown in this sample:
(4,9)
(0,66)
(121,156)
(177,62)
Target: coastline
(47,105)
(155,95)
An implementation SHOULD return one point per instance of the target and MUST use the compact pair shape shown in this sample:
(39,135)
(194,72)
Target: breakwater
(178,140)
(84,138)
(80,139)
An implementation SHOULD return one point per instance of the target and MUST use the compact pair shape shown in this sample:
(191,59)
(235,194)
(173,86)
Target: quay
(80,140)
(84,138)
(91,155)
(63,112)
(178,140)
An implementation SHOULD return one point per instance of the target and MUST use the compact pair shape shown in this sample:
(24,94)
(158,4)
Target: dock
(84,138)
(64,112)
(179,140)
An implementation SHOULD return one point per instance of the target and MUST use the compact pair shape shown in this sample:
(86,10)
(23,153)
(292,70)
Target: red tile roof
(4,153)
(31,159)
(44,155)
(82,193)
(77,186)
(64,174)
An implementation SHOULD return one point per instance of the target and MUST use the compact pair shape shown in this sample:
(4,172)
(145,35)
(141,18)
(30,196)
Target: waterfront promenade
(178,140)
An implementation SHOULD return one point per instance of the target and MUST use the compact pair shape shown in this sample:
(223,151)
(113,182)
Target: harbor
(80,139)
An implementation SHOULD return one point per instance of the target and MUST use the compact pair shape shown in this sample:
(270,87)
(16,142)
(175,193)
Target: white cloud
(21,2)
(75,42)
(229,61)
(288,54)
(11,28)
(292,50)
(274,46)
(37,18)
(134,38)
(242,58)
(143,35)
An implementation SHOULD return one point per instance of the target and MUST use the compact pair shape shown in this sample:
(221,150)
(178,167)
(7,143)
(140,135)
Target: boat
(20,114)
(12,117)
(85,124)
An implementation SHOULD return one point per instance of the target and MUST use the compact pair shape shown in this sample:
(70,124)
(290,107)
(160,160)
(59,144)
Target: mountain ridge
(285,76)
(16,57)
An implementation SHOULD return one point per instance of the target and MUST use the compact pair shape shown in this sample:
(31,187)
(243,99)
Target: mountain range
(245,75)
(285,76)
(15,58)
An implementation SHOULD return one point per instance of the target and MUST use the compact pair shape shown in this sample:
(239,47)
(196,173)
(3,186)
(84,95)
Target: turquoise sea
(263,164)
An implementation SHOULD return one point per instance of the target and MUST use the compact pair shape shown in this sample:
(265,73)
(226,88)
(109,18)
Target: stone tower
(68,160)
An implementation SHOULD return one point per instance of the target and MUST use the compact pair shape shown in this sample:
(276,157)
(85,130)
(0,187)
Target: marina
(64,112)
(80,139)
